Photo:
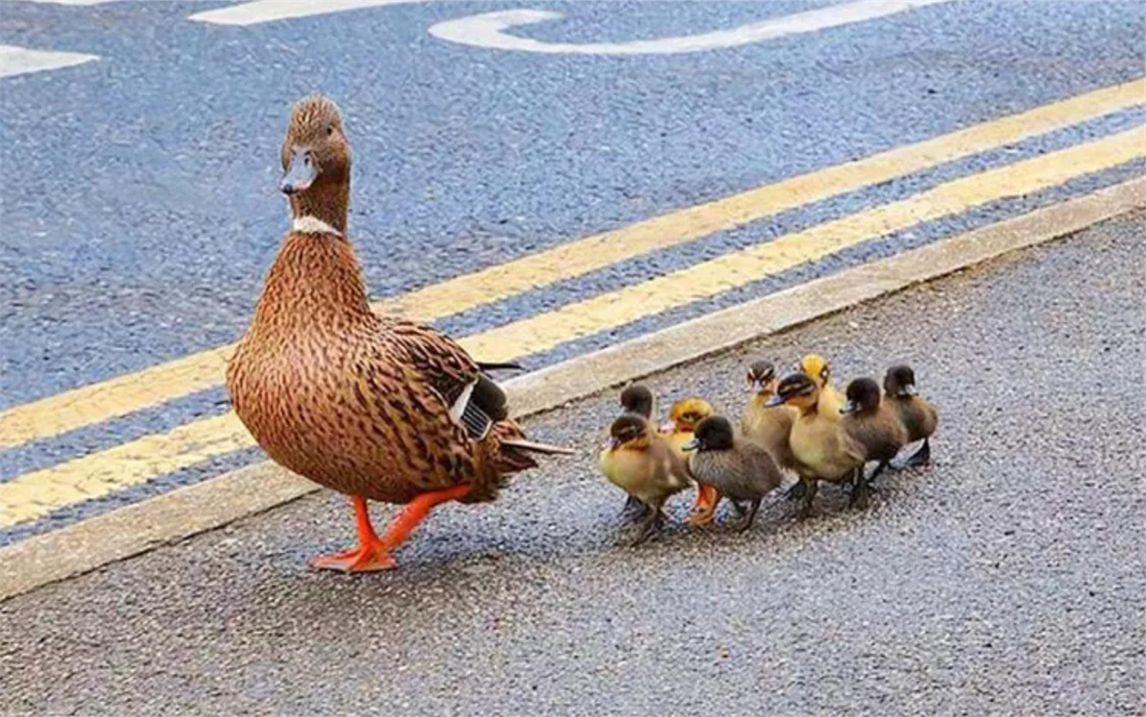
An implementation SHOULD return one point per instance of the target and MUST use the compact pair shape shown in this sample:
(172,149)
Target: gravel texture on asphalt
(1006,578)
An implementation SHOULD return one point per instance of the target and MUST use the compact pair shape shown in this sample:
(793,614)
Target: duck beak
(849,407)
(691,445)
(300,173)
(775,400)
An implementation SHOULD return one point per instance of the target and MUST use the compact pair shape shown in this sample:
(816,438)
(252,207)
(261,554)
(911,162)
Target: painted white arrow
(488,30)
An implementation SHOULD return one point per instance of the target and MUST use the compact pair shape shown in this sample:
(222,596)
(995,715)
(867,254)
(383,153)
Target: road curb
(129,531)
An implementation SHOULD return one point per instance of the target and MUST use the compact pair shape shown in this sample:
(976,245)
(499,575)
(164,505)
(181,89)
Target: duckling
(684,415)
(917,415)
(639,400)
(768,425)
(640,461)
(831,400)
(374,407)
(739,469)
(825,451)
(875,426)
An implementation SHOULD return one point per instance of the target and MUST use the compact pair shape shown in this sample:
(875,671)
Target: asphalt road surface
(1007,578)
(139,210)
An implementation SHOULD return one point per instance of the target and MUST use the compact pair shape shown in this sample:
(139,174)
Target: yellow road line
(200,371)
(617,308)
(32,495)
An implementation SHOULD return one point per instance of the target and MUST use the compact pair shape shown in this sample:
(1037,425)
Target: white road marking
(20,60)
(253,13)
(488,30)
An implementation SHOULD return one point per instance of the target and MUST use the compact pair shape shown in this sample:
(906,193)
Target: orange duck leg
(373,553)
(705,507)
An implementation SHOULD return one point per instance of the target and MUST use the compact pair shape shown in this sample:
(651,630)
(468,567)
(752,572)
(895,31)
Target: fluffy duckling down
(918,417)
(816,367)
(824,450)
(638,400)
(684,416)
(739,469)
(769,426)
(873,424)
(640,462)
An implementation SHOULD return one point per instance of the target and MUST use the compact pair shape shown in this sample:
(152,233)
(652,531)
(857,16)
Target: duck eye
(329,130)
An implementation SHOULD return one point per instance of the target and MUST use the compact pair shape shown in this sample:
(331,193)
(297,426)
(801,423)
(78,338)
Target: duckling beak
(757,385)
(691,445)
(667,427)
(613,443)
(775,400)
(908,390)
(849,407)
(300,173)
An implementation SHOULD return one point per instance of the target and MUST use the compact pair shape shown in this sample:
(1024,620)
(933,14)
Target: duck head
(762,378)
(316,165)
(629,431)
(686,413)
(863,396)
(712,434)
(798,390)
(816,367)
(899,382)
(637,399)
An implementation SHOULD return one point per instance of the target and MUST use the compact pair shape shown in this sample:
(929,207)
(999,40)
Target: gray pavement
(1007,578)
(145,212)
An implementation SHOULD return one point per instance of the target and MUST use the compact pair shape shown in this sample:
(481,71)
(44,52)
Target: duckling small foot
(650,525)
(634,508)
(744,517)
(362,559)
(704,511)
(797,491)
(921,457)
(812,487)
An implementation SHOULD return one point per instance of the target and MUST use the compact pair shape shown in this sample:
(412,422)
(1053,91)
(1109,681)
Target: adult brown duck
(375,407)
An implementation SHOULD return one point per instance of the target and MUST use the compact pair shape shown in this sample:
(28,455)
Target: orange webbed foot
(705,508)
(362,559)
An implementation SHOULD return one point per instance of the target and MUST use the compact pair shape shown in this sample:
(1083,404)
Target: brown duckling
(875,426)
(741,470)
(684,416)
(831,400)
(768,425)
(918,416)
(374,407)
(640,461)
(824,450)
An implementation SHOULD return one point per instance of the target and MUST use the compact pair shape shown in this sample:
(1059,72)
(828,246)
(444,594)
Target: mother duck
(375,407)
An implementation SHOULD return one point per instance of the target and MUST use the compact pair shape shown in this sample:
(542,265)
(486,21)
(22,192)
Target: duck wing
(473,400)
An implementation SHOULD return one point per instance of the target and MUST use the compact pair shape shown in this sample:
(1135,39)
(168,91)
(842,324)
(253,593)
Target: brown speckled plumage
(351,400)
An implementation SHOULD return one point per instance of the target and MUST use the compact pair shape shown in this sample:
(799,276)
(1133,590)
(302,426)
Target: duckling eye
(329,130)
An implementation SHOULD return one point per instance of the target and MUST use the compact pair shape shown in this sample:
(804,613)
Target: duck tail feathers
(523,444)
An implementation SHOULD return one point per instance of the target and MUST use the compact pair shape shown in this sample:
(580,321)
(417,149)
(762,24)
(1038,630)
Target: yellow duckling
(640,461)
(875,425)
(831,400)
(768,425)
(919,418)
(684,416)
(825,451)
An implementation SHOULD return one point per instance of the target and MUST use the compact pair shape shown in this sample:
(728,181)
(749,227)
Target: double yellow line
(32,495)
